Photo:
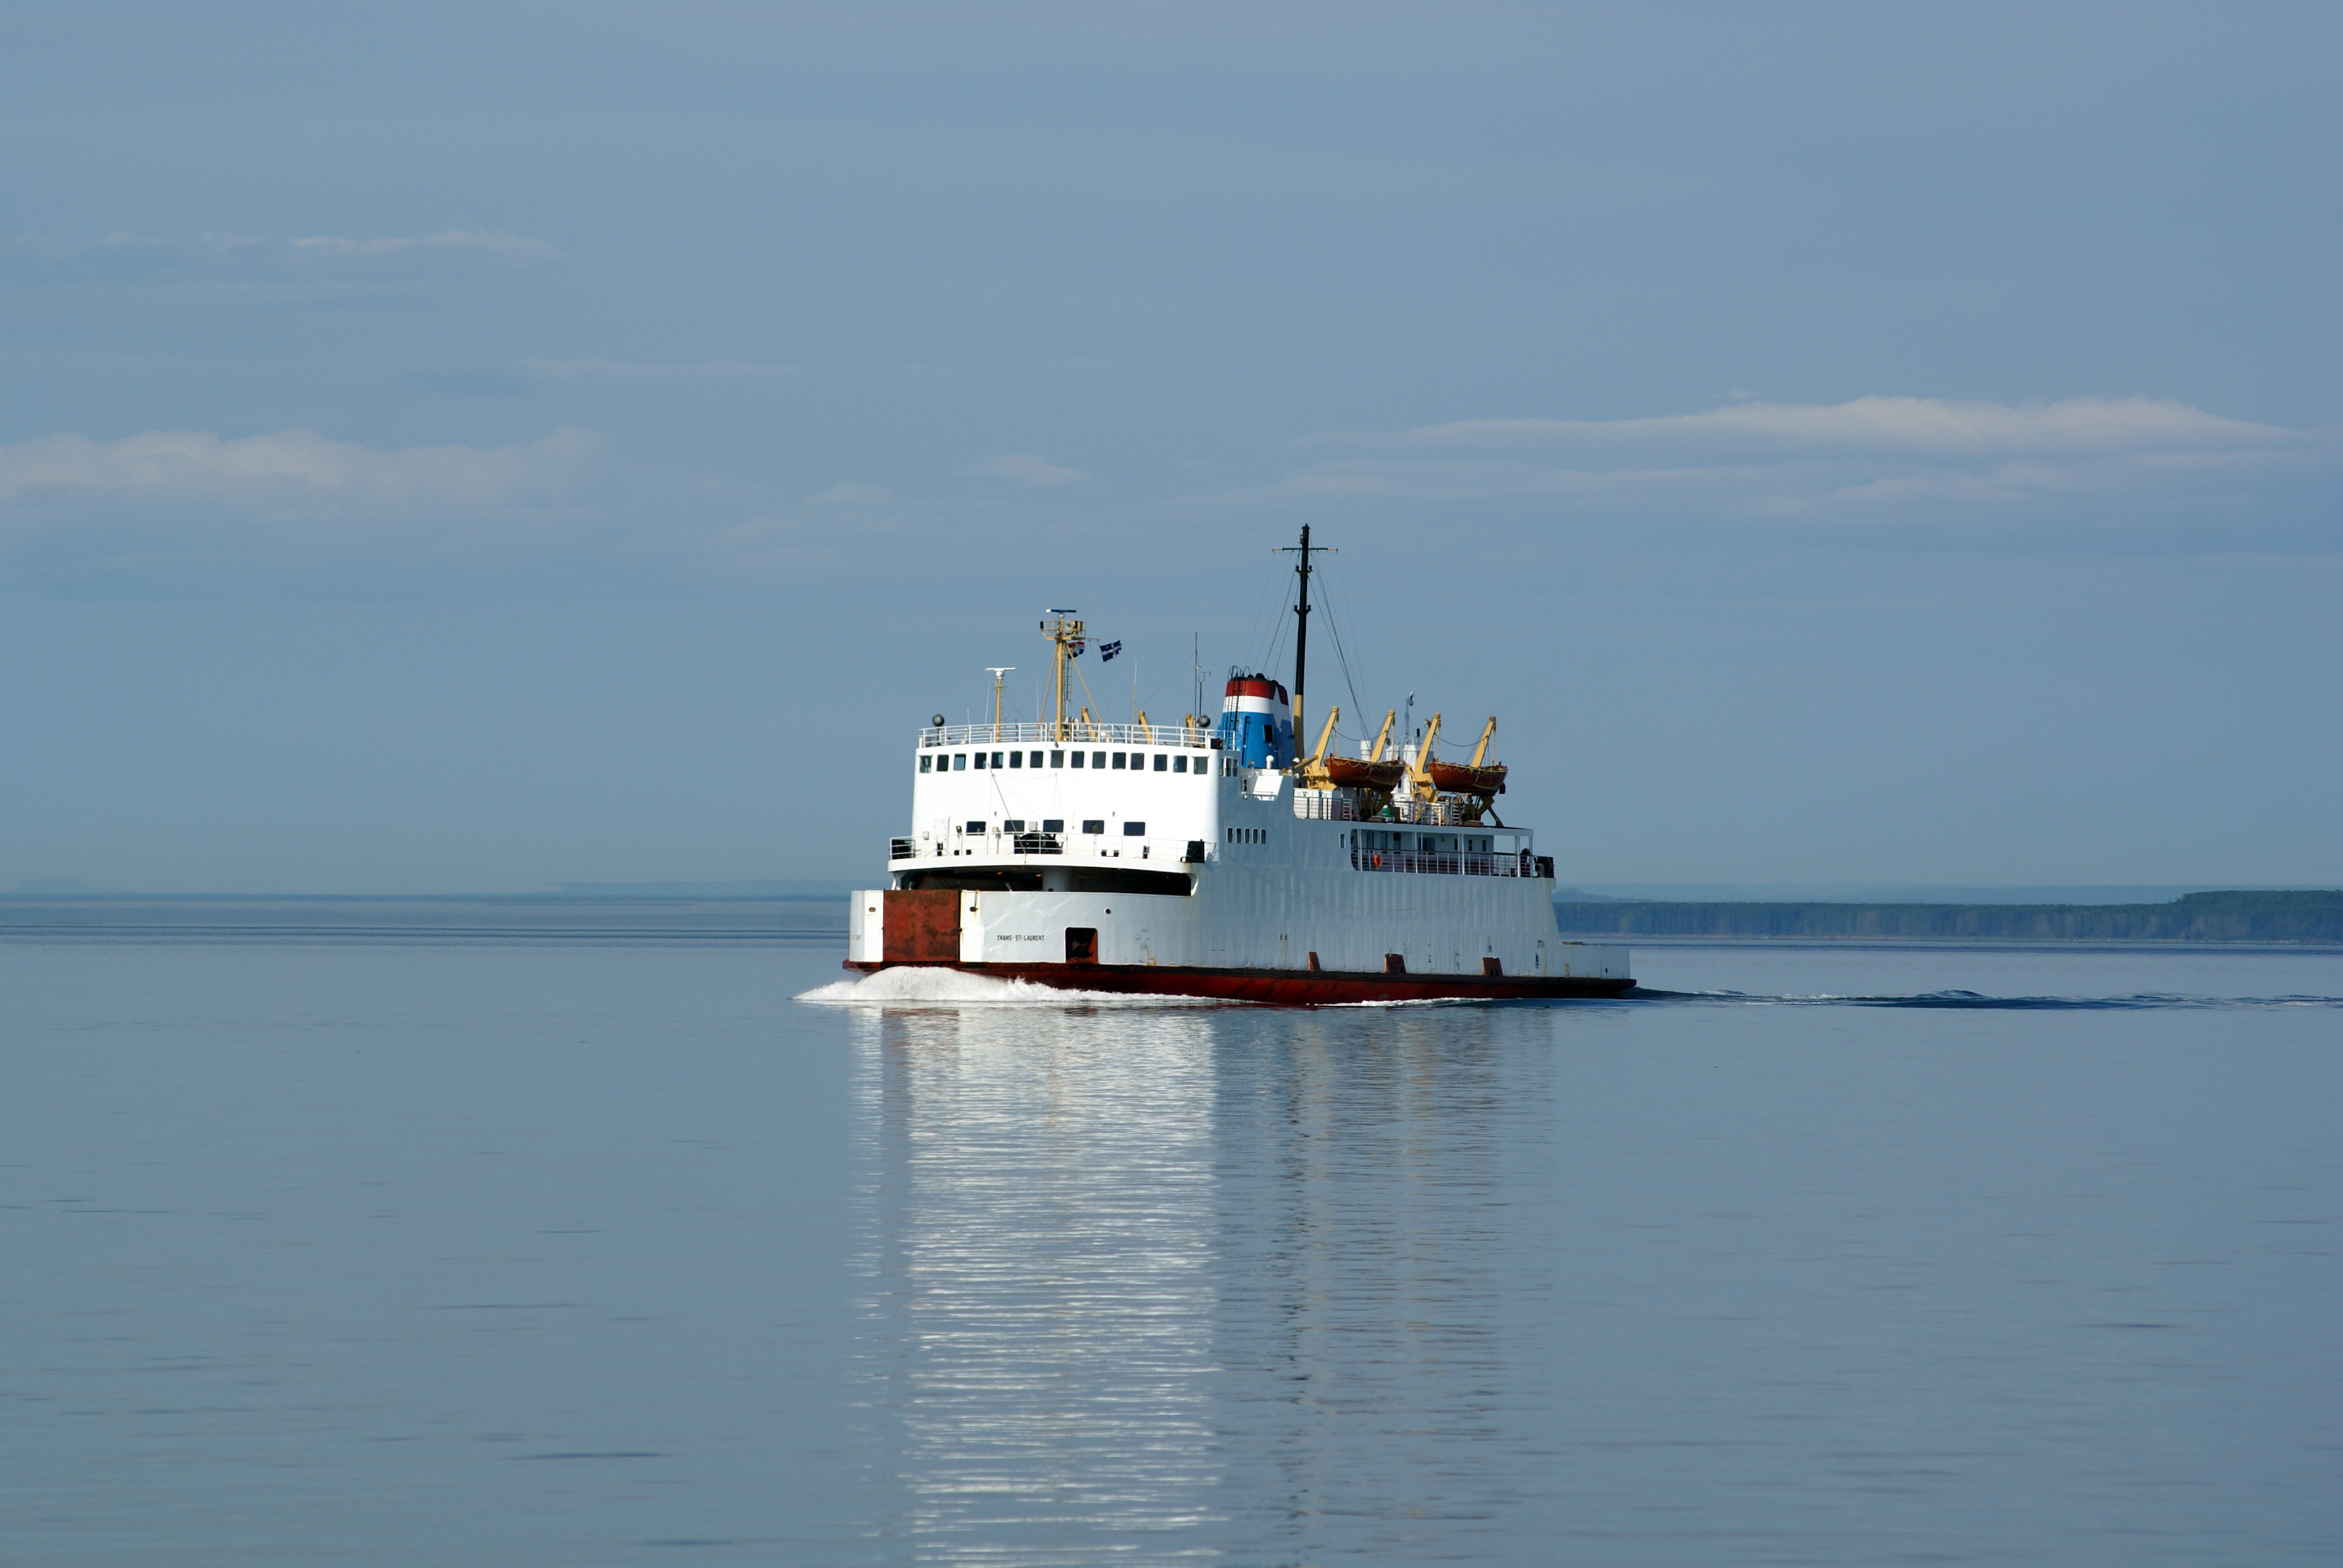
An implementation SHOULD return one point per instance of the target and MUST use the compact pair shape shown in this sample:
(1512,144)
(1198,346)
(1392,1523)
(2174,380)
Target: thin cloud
(511,247)
(237,254)
(1021,468)
(1371,480)
(1919,426)
(714,370)
(1874,461)
(289,468)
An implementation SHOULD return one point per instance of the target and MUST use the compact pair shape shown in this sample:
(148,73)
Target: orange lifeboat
(1459,778)
(1350,773)
(1474,779)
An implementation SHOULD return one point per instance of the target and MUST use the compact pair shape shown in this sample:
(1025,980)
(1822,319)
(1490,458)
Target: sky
(480,448)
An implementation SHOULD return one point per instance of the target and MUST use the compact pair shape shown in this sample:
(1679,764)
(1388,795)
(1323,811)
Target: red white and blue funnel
(1257,723)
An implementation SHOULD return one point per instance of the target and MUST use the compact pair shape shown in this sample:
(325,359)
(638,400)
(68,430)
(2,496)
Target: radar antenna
(997,671)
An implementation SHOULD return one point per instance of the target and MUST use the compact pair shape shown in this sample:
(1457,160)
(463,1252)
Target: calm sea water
(511,1238)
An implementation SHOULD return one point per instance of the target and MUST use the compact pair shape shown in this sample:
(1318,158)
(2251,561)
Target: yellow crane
(1482,751)
(1312,774)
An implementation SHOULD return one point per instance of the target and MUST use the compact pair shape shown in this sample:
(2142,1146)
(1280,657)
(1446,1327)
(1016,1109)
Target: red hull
(1290,988)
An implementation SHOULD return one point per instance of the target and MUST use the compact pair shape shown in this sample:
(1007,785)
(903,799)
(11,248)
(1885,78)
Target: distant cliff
(2241,917)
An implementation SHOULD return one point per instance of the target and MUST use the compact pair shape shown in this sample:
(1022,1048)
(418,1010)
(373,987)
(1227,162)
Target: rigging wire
(1341,657)
(1271,666)
(1267,624)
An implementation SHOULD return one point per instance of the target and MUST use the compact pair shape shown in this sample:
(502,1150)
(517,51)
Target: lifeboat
(1458,778)
(1350,773)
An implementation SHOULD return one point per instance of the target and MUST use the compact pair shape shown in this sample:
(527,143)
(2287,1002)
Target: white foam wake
(920,986)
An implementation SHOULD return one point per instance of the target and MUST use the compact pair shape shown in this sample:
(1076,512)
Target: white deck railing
(1342,806)
(1073,732)
(1436,863)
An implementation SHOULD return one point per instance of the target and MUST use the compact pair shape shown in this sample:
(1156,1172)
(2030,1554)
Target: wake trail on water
(939,987)
(955,987)
(1974,1002)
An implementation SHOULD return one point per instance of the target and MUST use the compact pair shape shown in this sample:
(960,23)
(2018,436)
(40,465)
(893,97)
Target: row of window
(958,762)
(1424,843)
(1244,835)
(1058,825)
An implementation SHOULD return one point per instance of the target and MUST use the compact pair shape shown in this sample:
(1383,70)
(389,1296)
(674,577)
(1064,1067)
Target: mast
(1302,570)
(1301,633)
(1066,640)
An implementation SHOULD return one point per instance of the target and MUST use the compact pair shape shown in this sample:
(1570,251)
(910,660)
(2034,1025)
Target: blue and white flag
(1108,649)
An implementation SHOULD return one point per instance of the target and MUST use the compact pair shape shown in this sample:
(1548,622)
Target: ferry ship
(1217,859)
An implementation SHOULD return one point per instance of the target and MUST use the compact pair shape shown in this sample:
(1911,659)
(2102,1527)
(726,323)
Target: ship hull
(1286,988)
(1169,868)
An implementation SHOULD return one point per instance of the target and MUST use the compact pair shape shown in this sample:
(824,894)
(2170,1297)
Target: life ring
(1379,862)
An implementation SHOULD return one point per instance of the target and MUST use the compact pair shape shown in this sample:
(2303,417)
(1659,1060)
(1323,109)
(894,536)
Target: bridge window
(1098,760)
(1013,825)
(1057,760)
(1118,759)
(1162,760)
(1017,760)
(1134,829)
(1078,759)
(1034,760)
(960,761)
(1179,763)
(977,827)
(1093,824)
(979,760)
(996,759)
(1053,824)
(924,760)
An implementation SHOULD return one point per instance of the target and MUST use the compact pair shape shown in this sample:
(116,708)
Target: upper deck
(1073,732)
(1049,806)
(1057,805)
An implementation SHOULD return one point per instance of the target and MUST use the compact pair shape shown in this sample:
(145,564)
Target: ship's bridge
(1077,807)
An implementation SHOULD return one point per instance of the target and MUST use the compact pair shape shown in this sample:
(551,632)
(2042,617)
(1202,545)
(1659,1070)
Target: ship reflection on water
(1107,1248)
(1039,1192)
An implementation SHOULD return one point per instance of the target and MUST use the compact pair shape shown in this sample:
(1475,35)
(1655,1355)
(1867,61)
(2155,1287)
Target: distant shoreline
(2312,918)
(2299,918)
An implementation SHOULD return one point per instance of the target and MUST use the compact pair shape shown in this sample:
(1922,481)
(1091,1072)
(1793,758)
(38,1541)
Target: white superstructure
(1171,853)
(1216,859)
